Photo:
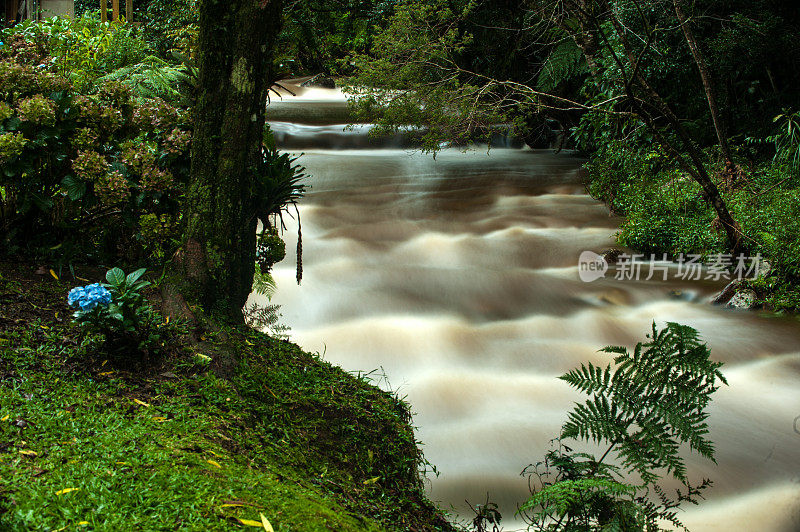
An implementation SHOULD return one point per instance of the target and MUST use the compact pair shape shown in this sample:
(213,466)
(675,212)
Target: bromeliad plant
(118,311)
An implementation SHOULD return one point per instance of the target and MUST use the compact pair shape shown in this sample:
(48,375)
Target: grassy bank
(181,444)
(665,212)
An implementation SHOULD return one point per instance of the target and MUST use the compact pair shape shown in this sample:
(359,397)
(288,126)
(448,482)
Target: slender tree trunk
(708,84)
(654,101)
(586,38)
(218,256)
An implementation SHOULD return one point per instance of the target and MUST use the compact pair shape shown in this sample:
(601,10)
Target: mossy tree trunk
(218,254)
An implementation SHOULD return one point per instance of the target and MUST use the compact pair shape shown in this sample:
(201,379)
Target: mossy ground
(88,443)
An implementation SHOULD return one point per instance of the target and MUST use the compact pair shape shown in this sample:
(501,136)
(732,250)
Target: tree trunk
(695,168)
(586,38)
(708,85)
(218,255)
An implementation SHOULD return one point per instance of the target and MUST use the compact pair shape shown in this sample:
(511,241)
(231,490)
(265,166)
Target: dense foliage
(323,36)
(316,36)
(438,65)
(88,167)
(665,212)
(95,134)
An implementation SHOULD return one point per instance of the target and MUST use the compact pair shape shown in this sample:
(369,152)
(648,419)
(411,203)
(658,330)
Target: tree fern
(565,61)
(653,400)
(152,78)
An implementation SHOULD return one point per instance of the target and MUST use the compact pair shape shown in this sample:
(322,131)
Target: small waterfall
(291,136)
(294,136)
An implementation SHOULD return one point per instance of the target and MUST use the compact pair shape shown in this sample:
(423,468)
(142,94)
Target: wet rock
(743,299)
(725,295)
(734,295)
(321,81)
(615,297)
(611,255)
(764,267)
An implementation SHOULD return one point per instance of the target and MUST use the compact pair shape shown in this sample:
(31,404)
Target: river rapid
(457,279)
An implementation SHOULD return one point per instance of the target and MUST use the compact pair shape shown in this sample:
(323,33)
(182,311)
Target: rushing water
(458,277)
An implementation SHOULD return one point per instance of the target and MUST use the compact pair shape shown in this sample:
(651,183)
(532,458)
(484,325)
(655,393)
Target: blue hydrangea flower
(89,297)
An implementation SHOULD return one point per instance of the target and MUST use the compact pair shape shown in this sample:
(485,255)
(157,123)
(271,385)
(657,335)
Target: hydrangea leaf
(115,276)
(134,276)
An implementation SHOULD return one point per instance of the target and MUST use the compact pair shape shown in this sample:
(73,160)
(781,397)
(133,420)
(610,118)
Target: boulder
(734,295)
(727,293)
(321,81)
(611,255)
(743,299)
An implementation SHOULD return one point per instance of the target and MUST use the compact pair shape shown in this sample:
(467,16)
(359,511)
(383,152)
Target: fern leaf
(565,61)
(650,402)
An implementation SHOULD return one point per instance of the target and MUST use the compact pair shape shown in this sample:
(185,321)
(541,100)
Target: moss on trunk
(218,256)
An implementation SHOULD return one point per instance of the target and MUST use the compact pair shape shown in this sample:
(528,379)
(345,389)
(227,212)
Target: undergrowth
(665,212)
(186,446)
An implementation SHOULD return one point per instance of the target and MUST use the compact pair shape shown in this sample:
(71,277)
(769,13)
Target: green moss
(177,447)
(241,77)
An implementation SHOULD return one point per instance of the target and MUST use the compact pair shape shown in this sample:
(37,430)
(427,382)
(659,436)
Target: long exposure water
(457,276)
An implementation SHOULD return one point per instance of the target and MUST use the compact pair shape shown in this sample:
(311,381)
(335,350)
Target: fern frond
(565,61)
(263,283)
(649,403)
(151,78)
(566,493)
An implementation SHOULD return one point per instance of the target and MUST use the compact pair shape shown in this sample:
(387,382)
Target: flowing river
(457,278)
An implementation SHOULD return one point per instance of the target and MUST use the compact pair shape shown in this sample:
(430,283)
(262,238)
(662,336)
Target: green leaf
(13,123)
(115,277)
(42,202)
(650,403)
(134,276)
(75,188)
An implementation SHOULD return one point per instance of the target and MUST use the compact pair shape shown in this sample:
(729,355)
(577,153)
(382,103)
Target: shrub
(172,26)
(770,217)
(85,165)
(119,313)
(665,210)
(787,139)
(80,49)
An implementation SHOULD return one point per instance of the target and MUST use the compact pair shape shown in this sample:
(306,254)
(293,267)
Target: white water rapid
(458,277)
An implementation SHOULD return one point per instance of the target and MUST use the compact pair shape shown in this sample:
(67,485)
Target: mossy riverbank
(87,443)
